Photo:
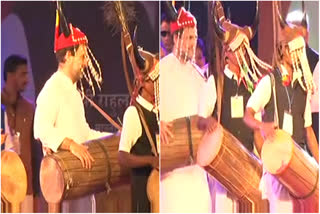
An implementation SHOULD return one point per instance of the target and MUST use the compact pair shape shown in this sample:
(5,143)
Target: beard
(187,54)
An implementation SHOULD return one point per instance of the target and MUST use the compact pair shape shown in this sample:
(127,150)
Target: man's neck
(288,67)
(65,69)
(147,96)
(234,68)
(176,53)
(10,94)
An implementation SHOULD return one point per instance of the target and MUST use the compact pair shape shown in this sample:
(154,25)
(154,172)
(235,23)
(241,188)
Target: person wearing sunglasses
(166,36)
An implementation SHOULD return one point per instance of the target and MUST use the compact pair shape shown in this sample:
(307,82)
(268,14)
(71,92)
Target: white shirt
(208,98)
(315,95)
(262,95)
(132,129)
(180,86)
(60,114)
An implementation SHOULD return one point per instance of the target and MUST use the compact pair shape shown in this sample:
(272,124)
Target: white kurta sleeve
(47,110)
(315,95)
(207,98)
(261,95)
(93,134)
(131,130)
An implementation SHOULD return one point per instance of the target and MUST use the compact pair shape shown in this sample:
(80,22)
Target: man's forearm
(250,121)
(133,161)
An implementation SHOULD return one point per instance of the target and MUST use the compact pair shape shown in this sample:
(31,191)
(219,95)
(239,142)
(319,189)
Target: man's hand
(165,132)
(208,124)
(155,162)
(268,130)
(80,151)
(3,136)
(47,150)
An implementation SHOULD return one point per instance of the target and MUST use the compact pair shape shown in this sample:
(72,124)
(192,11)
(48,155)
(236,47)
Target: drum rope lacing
(190,140)
(69,178)
(311,192)
(108,187)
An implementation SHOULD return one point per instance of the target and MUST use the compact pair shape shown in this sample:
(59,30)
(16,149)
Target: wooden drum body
(294,168)
(238,170)
(63,177)
(177,153)
(13,181)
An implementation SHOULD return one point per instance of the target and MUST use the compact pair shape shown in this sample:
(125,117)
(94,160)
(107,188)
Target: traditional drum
(294,168)
(13,180)
(63,177)
(153,191)
(182,148)
(238,170)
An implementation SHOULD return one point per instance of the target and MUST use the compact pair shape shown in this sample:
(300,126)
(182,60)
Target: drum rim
(283,169)
(219,131)
(21,164)
(57,163)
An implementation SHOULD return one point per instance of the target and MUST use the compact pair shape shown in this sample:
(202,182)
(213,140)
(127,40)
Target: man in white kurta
(60,122)
(59,115)
(184,189)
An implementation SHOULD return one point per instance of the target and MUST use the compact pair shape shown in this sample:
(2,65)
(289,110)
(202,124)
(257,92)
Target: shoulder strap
(273,87)
(220,85)
(146,128)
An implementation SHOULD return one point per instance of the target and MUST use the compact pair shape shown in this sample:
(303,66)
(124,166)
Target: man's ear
(10,75)
(68,55)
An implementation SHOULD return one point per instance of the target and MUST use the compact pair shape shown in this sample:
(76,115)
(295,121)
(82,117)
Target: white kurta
(60,114)
(185,189)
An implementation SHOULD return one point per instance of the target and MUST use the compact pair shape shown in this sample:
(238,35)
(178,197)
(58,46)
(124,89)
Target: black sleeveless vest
(298,97)
(235,126)
(140,175)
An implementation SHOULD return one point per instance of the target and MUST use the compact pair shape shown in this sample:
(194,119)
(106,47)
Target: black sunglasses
(165,33)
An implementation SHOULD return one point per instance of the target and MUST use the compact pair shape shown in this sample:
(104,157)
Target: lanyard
(290,101)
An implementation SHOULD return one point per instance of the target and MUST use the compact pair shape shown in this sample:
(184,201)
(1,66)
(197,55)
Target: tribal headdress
(144,64)
(68,36)
(181,20)
(292,37)
(237,39)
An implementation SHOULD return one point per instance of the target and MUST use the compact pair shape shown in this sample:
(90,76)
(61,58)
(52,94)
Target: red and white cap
(185,19)
(76,37)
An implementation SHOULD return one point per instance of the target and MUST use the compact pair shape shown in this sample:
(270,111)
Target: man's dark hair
(164,18)
(11,64)
(60,54)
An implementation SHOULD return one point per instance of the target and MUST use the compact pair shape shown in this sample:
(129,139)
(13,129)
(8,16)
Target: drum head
(51,180)
(277,152)
(209,146)
(13,177)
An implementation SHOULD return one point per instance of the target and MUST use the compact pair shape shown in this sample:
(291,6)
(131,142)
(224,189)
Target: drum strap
(190,140)
(146,128)
(108,188)
(276,117)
